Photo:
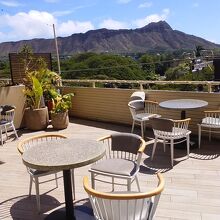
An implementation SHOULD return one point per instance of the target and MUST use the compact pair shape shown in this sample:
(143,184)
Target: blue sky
(20,19)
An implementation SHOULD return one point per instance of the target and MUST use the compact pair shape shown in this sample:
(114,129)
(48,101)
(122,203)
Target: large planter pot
(60,120)
(36,119)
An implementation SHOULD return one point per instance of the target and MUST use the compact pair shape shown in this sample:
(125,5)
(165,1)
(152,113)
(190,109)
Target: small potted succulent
(59,112)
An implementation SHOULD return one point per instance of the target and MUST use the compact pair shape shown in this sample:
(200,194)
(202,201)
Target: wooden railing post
(141,86)
(93,84)
(209,87)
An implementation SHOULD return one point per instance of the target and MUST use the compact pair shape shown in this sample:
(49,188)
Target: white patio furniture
(210,123)
(124,205)
(141,112)
(170,132)
(34,173)
(123,157)
(7,121)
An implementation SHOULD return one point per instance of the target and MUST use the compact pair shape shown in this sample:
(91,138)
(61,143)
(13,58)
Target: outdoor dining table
(183,105)
(63,154)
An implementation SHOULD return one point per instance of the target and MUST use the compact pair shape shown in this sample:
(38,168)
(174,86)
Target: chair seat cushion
(38,172)
(211,122)
(145,116)
(3,122)
(116,166)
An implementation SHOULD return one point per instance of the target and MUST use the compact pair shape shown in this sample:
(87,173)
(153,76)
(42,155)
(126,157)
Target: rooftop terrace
(192,187)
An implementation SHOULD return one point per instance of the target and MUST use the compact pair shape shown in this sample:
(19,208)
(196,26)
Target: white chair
(123,157)
(7,121)
(170,132)
(210,124)
(138,95)
(141,112)
(35,174)
(124,205)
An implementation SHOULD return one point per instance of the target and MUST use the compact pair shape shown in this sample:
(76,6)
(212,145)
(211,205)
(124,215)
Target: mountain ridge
(154,36)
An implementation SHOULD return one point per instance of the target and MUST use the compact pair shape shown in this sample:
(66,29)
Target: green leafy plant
(61,103)
(34,93)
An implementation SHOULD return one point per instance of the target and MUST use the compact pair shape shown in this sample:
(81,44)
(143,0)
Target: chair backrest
(138,95)
(135,107)
(124,205)
(7,112)
(212,119)
(36,140)
(169,128)
(162,124)
(124,145)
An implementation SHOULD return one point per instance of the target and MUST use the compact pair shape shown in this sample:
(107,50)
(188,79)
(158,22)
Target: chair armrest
(212,111)
(181,120)
(104,138)
(142,146)
(151,102)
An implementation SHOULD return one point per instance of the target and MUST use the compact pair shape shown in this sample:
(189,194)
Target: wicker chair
(7,120)
(171,132)
(210,123)
(123,157)
(141,112)
(35,174)
(124,205)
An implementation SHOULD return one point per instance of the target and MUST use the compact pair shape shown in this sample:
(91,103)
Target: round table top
(183,104)
(63,154)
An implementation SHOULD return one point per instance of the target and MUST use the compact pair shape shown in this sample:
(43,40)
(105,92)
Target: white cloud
(37,24)
(112,24)
(145,5)
(70,27)
(123,1)
(10,3)
(152,18)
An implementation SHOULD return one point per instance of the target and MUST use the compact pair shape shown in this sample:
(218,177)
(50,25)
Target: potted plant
(38,82)
(36,114)
(59,113)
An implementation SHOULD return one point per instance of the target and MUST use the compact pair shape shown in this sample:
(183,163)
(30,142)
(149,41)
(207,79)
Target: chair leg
(15,132)
(30,186)
(154,147)
(113,184)
(93,180)
(56,179)
(73,184)
(188,145)
(138,185)
(37,193)
(210,134)
(142,129)
(128,185)
(171,150)
(132,129)
(1,137)
(6,132)
(199,135)
(164,145)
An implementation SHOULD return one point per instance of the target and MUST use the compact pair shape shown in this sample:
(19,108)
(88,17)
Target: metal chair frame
(119,155)
(124,205)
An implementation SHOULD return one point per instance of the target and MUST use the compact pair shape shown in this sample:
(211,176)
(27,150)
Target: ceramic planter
(60,120)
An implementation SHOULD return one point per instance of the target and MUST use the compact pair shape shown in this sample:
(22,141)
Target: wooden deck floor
(192,188)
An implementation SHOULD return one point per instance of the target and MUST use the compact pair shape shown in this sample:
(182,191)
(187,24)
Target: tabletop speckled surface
(183,104)
(63,154)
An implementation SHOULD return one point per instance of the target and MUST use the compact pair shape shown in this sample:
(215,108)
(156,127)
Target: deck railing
(142,83)
(139,83)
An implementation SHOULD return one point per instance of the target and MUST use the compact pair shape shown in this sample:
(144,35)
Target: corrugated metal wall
(110,105)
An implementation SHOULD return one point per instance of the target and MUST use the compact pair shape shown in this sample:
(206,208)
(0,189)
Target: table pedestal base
(81,212)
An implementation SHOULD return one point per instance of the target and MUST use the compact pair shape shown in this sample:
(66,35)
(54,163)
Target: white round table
(183,105)
(64,154)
